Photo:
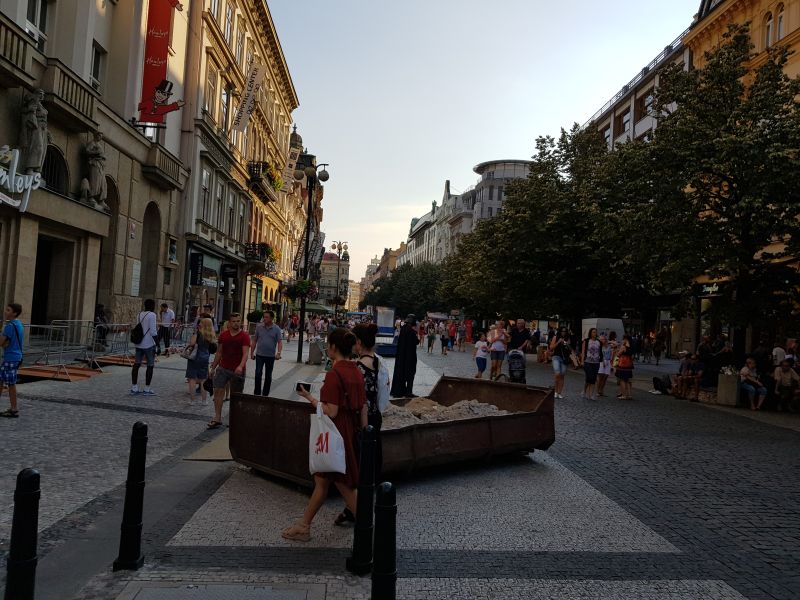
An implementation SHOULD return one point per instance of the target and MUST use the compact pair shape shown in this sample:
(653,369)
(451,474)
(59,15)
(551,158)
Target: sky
(401,95)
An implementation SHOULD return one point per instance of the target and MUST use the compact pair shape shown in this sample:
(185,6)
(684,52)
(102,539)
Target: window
(220,216)
(607,134)
(36,23)
(500,194)
(214,8)
(491,193)
(211,90)
(781,23)
(167,276)
(768,30)
(241,221)
(54,171)
(622,123)
(240,36)
(230,11)
(206,194)
(249,57)
(98,65)
(231,215)
(224,105)
(644,105)
(234,133)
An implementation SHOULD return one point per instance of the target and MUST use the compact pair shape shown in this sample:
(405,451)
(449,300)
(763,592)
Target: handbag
(325,445)
(575,360)
(190,352)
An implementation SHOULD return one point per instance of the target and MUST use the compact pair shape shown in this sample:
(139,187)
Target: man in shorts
(11,341)
(229,364)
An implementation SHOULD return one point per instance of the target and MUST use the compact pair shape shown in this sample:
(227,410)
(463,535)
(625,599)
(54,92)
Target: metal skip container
(271,434)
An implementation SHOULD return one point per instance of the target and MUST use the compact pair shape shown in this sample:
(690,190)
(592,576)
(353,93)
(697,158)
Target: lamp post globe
(310,172)
(323,175)
(299,174)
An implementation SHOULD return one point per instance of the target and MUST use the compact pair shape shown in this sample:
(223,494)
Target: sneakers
(148,392)
(559,397)
(135,390)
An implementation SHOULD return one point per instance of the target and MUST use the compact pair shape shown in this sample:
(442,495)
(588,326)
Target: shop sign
(251,86)
(229,271)
(710,288)
(196,269)
(16,183)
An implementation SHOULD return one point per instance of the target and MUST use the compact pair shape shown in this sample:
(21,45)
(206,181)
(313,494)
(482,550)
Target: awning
(317,307)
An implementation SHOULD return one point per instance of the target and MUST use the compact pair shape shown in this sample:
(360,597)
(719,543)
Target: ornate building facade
(240,97)
(99,219)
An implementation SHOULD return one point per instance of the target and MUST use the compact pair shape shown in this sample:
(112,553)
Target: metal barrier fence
(69,341)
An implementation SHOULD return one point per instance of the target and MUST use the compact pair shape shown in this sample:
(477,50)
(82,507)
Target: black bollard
(130,540)
(384,557)
(21,564)
(360,563)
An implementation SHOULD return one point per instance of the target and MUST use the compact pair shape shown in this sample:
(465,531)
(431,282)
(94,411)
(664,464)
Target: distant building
(334,275)
(353,295)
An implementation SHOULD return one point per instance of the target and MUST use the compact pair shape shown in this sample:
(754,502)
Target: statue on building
(33,134)
(94,188)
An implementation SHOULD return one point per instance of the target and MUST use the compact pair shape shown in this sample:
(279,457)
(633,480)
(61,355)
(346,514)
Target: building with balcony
(237,197)
(334,277)
(98,219)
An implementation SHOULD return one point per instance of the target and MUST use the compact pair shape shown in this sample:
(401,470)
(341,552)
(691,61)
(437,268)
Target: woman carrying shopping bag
(343,399)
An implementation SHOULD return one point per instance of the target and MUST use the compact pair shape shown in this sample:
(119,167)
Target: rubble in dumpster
(424,410)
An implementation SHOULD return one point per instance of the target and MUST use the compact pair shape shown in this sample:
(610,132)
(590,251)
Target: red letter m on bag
(322,443)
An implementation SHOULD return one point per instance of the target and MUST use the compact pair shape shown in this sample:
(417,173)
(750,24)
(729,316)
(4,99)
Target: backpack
(137,333)
(384,385)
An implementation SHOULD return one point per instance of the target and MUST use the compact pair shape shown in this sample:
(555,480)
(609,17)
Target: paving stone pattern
(652,498)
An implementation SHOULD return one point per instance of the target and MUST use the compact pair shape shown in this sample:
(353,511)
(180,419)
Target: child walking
(481,353)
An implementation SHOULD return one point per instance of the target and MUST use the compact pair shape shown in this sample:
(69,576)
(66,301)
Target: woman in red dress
(344,400)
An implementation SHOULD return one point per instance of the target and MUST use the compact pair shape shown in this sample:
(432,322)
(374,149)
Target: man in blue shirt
(11,342)
(266,348)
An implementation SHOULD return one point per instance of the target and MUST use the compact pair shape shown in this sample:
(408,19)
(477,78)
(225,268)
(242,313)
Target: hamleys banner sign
(16,183)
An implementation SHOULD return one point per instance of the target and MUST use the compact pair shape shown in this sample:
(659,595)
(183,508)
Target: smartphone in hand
(302,385)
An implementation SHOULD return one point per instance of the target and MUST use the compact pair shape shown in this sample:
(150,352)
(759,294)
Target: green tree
(721,199)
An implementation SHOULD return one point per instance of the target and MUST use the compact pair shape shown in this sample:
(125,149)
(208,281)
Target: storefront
(49,250)
(212,279)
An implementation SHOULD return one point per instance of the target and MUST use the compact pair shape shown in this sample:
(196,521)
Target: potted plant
(728,387)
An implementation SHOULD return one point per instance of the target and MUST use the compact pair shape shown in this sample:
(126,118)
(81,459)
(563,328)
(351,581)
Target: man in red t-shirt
(229,363)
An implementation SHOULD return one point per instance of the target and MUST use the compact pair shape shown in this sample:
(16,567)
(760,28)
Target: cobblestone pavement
(651,498)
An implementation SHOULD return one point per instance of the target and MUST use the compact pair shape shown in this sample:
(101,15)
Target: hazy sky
(400,95)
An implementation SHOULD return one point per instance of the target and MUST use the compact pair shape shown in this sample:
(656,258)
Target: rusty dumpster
(271,434)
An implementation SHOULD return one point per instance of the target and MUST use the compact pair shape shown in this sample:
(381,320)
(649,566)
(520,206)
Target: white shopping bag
(325,445)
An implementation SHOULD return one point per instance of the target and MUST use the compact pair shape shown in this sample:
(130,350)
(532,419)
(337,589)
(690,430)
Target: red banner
(156,88)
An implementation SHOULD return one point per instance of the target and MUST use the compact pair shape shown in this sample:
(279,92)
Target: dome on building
(295,139)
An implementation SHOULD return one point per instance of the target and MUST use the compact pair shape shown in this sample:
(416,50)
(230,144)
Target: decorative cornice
(270,37)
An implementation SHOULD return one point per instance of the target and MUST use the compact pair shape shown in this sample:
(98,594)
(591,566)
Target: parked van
(604,327)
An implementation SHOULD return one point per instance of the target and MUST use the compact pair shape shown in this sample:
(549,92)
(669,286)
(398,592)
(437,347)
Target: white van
(604,327)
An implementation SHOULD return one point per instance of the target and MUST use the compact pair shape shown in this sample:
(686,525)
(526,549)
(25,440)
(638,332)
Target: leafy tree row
(713,195)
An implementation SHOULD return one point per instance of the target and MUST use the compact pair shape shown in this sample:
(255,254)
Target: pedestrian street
(654,498)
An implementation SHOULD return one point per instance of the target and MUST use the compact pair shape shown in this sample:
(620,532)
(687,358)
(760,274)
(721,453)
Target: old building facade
(236,205)
(103,224)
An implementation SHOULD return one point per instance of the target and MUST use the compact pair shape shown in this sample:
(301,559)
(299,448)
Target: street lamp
(341,252)
(311,175)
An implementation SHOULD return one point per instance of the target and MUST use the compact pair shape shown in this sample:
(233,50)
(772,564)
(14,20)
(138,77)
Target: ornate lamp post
(312,177)
(341,253)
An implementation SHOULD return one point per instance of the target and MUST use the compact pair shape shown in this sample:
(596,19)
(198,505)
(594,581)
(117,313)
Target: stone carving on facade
(94,189)
(33,134)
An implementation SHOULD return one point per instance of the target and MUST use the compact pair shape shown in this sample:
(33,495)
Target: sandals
(11,414)
(299,532)
(345,517)
(214,425)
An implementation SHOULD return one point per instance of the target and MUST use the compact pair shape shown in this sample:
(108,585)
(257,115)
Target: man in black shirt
(520,337)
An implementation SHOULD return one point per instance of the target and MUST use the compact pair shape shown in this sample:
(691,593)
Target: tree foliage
(712,196)
(409,289)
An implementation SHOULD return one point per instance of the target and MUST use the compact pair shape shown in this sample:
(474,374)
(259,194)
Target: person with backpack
(11,342)
(144,335)
(376,385)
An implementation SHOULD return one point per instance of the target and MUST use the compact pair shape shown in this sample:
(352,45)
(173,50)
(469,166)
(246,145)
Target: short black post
(384,565)
(21,564)
(130,541)
(360,563)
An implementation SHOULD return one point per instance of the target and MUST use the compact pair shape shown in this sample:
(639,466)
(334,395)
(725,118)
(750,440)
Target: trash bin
(316,350)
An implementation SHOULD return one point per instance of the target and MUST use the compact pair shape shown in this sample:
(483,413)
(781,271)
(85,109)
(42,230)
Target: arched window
(55,172)
(781,23)
(768,30)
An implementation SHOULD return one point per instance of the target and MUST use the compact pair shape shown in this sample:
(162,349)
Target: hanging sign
(248,104)
(16,183)
(196,269)
(156,88)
